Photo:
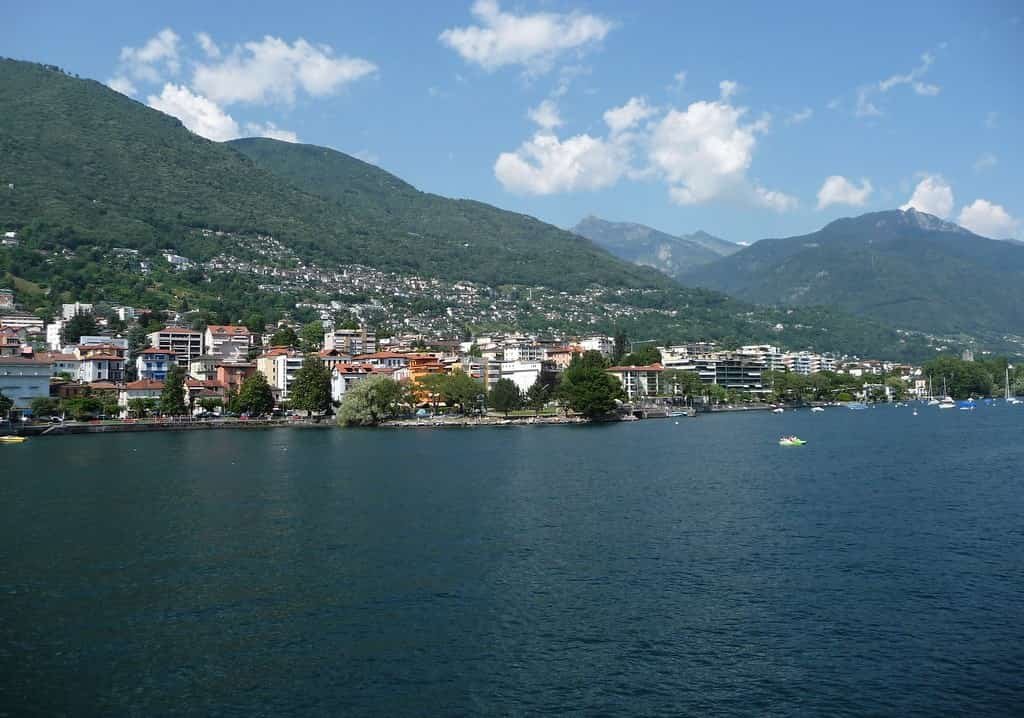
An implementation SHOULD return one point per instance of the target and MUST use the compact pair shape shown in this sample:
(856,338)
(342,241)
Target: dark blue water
(650,568)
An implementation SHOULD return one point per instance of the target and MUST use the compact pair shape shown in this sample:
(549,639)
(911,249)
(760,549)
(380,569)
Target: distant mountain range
(906,268)
(640,244)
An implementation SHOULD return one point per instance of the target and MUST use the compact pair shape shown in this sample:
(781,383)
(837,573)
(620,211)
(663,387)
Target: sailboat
(932,401)
(947,401)
(1009,399)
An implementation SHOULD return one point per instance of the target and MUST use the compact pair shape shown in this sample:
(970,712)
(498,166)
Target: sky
(746,120)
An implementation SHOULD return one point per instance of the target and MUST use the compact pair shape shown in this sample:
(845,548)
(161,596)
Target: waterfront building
(523,374)
(101,367)
(141,389)
(522,352)
(279,366)
(770,355)
(390,360)
(639,381)
(67,365)
(153,363)
(23,379)
(605,345)
(351,341)
(186,344)
(232,375)
(486,371)
(204,367)
(228,342)
(197,389)
(344,376)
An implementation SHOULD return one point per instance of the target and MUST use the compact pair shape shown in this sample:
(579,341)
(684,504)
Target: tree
(458,388)
(82,324)
(285,336)
(210,403)
(433,386)
(505,396)
(642,357)
(311,388)
(963,378)
(44,406)
(588,389)
(682,383)
(312,337)
(255,323)
(172,397)
(538,395)
(370,402)
(255,396)
(82,408)
(141,407)
(621,345)
(6,404)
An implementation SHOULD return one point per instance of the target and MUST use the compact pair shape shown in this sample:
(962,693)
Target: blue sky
(747,121)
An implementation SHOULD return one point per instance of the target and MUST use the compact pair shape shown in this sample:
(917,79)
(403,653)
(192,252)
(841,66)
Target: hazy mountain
(909,269)
(649,247)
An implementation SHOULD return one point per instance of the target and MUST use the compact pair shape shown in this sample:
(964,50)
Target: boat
(12,439)
(791,441)
(778,410)
(915,412)
(947,403)
(856,405)
(817,408)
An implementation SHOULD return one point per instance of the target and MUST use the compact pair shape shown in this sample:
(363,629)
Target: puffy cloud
(839,190)
(546,165)
(703,151)
(985,162)
(196,112)
(533,41)
(144,63)
(206,42)
(728,88)
(269,129)
(546,115)
(271,70)
(775,200)
(988,219)
(624,117)
(799,117)
(932,195)
(123,85)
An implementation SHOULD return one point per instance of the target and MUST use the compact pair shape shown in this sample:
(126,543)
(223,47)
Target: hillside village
(125,371)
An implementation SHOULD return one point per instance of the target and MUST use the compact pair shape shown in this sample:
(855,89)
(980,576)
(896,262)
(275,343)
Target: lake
(644,568)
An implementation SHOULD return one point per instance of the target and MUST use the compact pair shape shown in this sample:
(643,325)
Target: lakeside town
(92,363)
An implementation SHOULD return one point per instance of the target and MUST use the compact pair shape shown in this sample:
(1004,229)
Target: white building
(186,344)
(279,366)
(6,299)
(101,367)
(770,355)
(53,332)
(70,310)
(154,364)
(228,342)
(351,341)
(344,376)
(22,320)
(523,374)
(605,345)
(522,352)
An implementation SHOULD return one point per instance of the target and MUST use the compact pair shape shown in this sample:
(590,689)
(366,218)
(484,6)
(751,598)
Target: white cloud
(890,82)
(801,116)
(624,117)
(197,113)
(123,85)
(865,107)
(271,70)
(923,88)
(532,41)
(932,195)
(546,115)
(206,42)
(839,190)
(159,52)
(728,88)
(775,200)
(988,219)
(269,129)
(546,165)
(702,152)
(678,81)
(985,161)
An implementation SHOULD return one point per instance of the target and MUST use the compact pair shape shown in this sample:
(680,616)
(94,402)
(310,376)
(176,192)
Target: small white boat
(947,403)
(778,410)
(817,408)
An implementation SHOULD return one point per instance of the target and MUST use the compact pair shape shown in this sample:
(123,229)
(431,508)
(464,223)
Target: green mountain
(908,269)
(639,244)
(85,170)
(89,165)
